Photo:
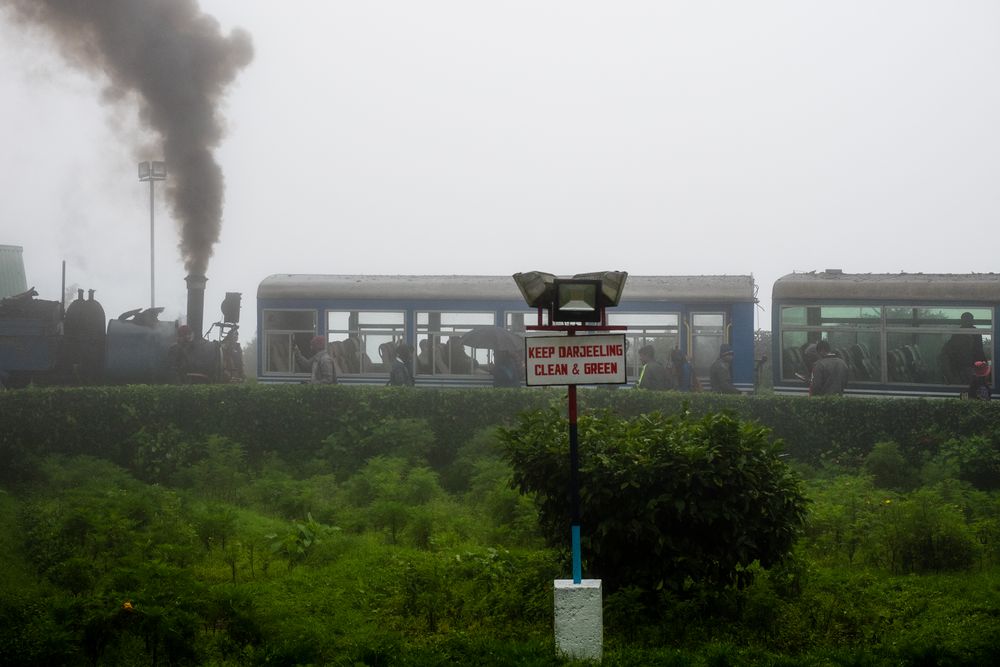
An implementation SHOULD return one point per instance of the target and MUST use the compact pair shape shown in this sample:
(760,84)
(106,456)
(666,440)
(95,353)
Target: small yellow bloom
(127,605)
(888,501)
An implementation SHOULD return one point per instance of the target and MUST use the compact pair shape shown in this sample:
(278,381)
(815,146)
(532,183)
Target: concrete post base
(579,616)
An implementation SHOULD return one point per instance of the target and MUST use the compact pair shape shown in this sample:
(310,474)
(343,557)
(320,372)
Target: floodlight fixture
(576,300)
(536,288)
(581,298)
(612,285)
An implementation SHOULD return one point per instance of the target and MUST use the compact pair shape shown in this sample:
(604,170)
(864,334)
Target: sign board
(554,360)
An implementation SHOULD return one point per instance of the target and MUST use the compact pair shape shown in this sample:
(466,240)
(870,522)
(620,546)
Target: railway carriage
(359,314)
(898,333)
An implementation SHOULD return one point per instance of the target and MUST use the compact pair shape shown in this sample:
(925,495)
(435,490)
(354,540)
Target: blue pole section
(577,566)
(574,486)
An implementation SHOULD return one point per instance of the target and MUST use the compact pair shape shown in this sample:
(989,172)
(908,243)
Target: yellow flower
(888,501)
(127,605)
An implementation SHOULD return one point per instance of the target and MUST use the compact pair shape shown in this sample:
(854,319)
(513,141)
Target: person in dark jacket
(681,369)
(962,351)
(830,373)
(653,375)
(721,372)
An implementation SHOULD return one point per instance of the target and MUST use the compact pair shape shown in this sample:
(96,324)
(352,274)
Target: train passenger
(461,363)
(320,363)
(681,369)
(829,374)
(339,360)
(351,357)
(506,369)
(721,372)
(387,354)
(400,375)
(653,375)
(425,364)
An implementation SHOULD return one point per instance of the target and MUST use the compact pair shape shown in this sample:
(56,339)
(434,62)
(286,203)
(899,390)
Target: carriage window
(661,330)
(517,321)
(282,329)
(361,341)
(922,344)
(708,332)
(854,334)
(936,345)
(439,349)
(860,349)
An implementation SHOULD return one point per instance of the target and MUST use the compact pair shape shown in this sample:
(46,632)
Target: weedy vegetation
(388,526)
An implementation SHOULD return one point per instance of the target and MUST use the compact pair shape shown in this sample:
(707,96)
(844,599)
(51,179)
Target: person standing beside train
(682,371)
(320,363)
(721,372)
(829,374)
(653,375)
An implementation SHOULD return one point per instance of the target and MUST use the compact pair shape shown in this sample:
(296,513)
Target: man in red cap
(320,363)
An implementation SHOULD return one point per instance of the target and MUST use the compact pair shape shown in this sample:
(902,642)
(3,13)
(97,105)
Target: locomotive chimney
(196,302)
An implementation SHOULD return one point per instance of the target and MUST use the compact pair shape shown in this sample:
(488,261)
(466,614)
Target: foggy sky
(490,138)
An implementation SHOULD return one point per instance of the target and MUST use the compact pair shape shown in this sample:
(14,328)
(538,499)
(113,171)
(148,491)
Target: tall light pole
(152,172)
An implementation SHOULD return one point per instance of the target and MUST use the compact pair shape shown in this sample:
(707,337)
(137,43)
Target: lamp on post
(582,298)
(575,305)
(152,172)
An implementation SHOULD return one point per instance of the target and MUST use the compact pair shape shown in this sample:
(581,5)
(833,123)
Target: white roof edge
(736,288)
(887,286)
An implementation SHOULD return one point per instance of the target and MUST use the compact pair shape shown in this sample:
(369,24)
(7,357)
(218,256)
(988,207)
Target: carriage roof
(889,286)
(637,288)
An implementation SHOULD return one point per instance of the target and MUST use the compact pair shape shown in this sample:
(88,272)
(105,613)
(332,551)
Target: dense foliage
(377,526)
(294,422)
(664,501)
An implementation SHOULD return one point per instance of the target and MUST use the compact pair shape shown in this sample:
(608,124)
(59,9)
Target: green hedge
(294,420)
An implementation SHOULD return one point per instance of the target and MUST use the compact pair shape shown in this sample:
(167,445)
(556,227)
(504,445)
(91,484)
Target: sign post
(575,305)
(573,360)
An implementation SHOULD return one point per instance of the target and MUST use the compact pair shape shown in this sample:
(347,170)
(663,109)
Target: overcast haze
(487,138)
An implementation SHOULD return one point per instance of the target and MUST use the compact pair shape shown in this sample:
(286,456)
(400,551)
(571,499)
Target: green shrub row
(297,422)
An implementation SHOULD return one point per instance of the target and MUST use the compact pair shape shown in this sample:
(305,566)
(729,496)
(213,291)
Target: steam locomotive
(41,343)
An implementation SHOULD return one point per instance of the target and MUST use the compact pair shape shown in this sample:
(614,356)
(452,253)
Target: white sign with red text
(598,359)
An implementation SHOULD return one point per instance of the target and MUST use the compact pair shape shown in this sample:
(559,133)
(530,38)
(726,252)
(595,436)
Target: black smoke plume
(173,59)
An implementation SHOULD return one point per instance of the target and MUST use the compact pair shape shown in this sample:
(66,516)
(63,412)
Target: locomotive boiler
(42,344)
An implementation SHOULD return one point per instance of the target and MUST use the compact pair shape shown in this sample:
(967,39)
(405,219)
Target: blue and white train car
(358,314)
(905,334)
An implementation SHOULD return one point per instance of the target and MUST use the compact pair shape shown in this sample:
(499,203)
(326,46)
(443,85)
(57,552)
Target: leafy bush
(663,500)
(977,458)
(889,469)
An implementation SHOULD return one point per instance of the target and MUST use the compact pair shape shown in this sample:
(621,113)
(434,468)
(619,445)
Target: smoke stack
(196,302)
(174,61)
